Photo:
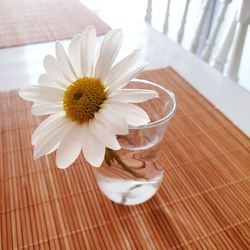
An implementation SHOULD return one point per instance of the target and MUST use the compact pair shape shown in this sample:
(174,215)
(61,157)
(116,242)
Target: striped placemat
(203,203)
(31,21)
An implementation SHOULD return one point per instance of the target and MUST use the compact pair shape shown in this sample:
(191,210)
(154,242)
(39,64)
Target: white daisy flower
(85,99)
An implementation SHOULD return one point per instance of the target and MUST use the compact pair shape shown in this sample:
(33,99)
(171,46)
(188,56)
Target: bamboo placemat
(203,203)
(32,21)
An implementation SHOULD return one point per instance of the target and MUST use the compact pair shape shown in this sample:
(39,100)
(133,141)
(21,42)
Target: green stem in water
(111,155)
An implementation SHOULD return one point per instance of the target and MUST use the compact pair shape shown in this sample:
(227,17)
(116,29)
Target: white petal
(88,46)
(51,138)
(46,108)
(70,147)
(51,127)
(46,125)
(93,149)
(48,80)
(125,78)
(109,50)
(54,148)
(122,67)
(44,79)
(42,93)
(52,68)
(102,132)
(111,119)
(133,95)
(65,63)
(134,115)
(74,54)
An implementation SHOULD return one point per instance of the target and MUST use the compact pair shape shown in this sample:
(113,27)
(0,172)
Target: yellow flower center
(83,98)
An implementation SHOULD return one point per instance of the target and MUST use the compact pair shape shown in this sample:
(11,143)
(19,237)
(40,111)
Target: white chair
(234,38)
(203,63)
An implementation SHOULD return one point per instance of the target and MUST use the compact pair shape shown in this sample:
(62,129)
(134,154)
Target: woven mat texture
(203,203)
(31,21)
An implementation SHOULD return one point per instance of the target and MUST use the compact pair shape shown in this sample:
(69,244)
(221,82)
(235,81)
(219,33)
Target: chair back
(210,48)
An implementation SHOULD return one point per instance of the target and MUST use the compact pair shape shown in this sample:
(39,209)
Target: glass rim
(166,117)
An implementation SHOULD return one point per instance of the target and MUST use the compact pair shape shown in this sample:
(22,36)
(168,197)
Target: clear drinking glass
(135,172)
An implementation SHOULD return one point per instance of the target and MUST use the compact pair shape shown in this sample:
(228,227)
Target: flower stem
(126,195)
(111,155)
